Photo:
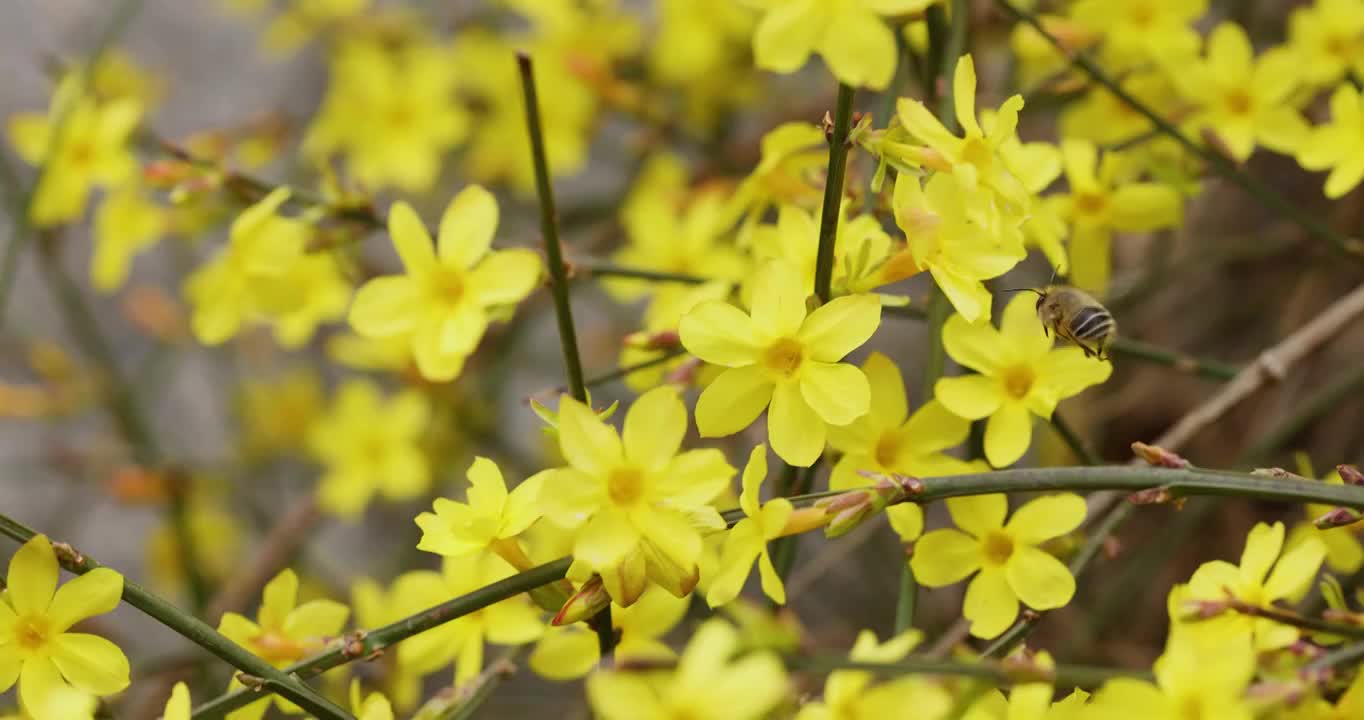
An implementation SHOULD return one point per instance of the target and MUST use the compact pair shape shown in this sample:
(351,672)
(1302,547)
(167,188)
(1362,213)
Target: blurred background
(242,83)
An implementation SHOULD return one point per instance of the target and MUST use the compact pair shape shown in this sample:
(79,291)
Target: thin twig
(194,630)
(1252,185)
(1138,350)
(833,192)
(1288,617)
(602,268)
(995,672)
(276,549)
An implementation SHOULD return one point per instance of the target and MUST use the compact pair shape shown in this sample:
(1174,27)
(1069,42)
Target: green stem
(625,370)
(601,268)
(389,635)
(1252,185)
(549,228)
(22,232)
(995,672)
(123,407)
(1344,387)
(197,632)
(1288,617)
(936,360)
(1138,350)
(833,193)
(907,600)
(1073,440)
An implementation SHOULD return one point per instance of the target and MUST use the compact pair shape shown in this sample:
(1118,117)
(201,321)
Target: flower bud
(1151,496)
(1338,517)
(1350,474)
(590,599)
(1160,457)
(1193,610)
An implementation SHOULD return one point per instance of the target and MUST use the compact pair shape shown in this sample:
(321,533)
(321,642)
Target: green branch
(833,193)
(603,268)
(197,632)
(365,645)
(1138,350)
(1062,676)
(22,229)
(549,229)
(1252,185)
(625,370)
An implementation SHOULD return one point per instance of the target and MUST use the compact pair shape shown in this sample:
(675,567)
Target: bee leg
(1046,331)
(1088,353)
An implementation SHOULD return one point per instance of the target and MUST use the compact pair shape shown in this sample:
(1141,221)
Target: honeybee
(1076,316)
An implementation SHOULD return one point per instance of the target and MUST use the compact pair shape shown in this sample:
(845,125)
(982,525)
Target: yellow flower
(37,648)
(242,283)
(1253,583)
(127,223)
(178,705)
(215,534)
(445,298)
(568,652)
(850,695)
(663,315)
(702,47)
(1030,701)
(668,238)
(637,505)
(303,19)
(1198,676)
(789,154)
(276,414)
(1020,375)
(974,157)
(710,683)
(1136,31)
(782,356)
(492,517)
(514,621)
(856,44)
(890,440)
(284,633)
(316,280)
(376,607)
(1242,99)
(80,144)
(959,236)
(747,540)
(373,706)
(1328,37)
(1012,566)
(1344,552)
(369,446)
(391,111)
(1339,144)
(1101,200)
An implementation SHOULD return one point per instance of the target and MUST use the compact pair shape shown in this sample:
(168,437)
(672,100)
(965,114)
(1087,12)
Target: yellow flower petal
(565,653)
(1293,573)
(837,392)
(907,520)
(794,429)
(605,540)
(977,346)
(1090,265)
(840,326)
(411,239)
(504,277)
(316,619)
(588,444)
(778,299)
(859,48)
(278,600)
(38,681)
(933,428)
(733,400)
(1263,544)
(755,471)
(568,497)
(1047,517)
(969,396)
(693,479)
(30,133)
(385,306)
(94,593)
(1007,434)
(786,36)
(978,514)
(672,536)
(654,428)
(10,665)
(90,663)
(719,333)
(178,705)
(1040,580)
(624,696)
(964,94)
(467,227)
(888,404)
(943,557)
(32,576)
(743,544)
(990,604)
(1021,330)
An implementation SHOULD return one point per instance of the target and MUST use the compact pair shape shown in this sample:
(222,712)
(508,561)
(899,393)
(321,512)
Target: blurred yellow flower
(369,445)
(567,652)
(1136,31)
(857,45)
(126,223)
(747,541)
(790,153)
(1198,676)
(850,694)
(1338,145)
(1328,38)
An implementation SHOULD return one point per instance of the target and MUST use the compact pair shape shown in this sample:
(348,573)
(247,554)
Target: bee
(1076,316)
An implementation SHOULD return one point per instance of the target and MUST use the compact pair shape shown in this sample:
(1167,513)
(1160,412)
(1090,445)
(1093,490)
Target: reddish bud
(1350,474)
(590,599)
(1151,496)
(1338,517)
(1159,456)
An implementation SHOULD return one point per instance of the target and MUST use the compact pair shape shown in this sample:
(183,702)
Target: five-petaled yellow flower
(37,648)
(1200,675)
(1020,375)
(1338,145)
(492,518)
(857,44)
(781,356)
(450,288)
(637,504)
(852,694)
(1012,567)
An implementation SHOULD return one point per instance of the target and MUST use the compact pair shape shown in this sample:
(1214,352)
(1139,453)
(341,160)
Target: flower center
(1190,708)
(1143,15)
(976,152)
(784,357)
(277,649)
(1238,102)
(1018,381)
(447,286)
(31,632)
(998,547)
(1090,203)
(625,485)
(888,449)
(82,153)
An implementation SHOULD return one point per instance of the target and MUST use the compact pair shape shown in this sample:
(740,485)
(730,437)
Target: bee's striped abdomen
(1091,323)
